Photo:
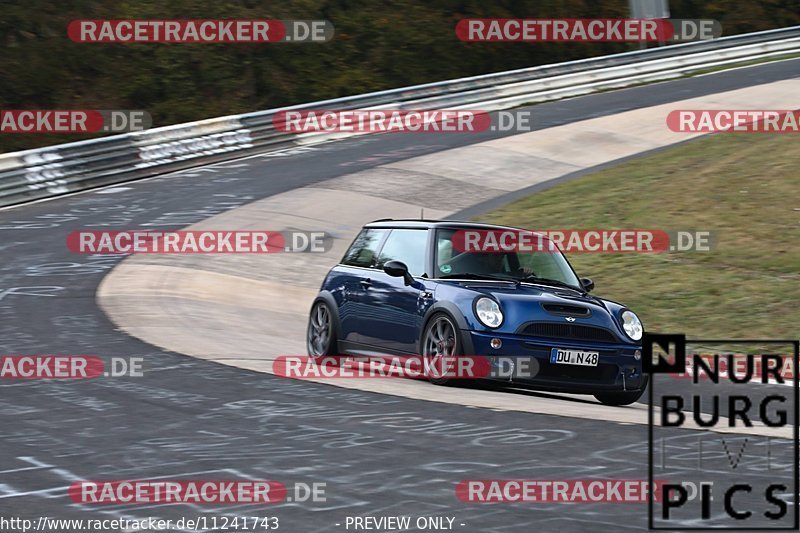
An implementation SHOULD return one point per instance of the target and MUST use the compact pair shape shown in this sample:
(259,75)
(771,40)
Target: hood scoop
(567,309)
(587,298)
(490,284)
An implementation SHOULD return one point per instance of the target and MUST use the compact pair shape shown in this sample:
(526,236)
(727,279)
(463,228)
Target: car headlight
(632,325)
(488,312)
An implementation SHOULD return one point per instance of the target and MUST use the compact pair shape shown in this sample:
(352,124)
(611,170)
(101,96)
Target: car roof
(431,224)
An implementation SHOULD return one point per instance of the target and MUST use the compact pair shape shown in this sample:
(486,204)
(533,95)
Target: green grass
(744,187)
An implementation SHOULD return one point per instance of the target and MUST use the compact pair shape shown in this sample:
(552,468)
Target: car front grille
(567,331)
(600,374)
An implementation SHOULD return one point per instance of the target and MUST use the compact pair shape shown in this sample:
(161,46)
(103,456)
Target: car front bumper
(526,361)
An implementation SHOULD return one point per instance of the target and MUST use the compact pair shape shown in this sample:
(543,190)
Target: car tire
(321,341)
(441,336)
(620,398)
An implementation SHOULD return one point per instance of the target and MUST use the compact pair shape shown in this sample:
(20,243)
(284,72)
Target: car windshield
(542,264)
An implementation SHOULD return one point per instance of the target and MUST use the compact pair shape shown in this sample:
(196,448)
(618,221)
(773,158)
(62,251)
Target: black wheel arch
(330,301)
(454,313)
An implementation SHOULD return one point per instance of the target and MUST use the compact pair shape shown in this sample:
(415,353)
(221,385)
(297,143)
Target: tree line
(378,44)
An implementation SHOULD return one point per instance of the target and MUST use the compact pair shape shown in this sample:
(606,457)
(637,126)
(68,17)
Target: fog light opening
(496,343)
(637,354)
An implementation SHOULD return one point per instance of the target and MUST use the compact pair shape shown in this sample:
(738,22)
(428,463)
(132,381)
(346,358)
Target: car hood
(527,292)
(525,303)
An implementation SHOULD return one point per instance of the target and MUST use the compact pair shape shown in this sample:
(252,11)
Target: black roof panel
(428,224)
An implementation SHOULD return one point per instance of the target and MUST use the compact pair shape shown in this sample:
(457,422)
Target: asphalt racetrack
(378,455)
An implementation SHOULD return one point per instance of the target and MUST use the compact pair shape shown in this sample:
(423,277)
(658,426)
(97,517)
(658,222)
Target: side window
(408,246)
(444,251)
(364,249)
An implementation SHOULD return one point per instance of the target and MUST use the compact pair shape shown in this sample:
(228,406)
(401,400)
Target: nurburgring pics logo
(744,447)
(73,121)
(776,369)
(200,31)
(591,30)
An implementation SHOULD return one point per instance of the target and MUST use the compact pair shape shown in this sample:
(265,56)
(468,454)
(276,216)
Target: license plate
(573,357)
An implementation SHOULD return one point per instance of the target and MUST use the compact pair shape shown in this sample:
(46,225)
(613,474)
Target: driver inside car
(479,263)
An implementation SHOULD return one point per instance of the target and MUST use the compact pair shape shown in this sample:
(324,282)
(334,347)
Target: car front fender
(452,310)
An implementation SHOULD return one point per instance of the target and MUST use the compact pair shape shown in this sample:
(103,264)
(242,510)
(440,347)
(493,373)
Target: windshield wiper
(471,275)
(555,282)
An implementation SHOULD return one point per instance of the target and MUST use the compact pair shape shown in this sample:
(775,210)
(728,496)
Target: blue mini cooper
(412,288)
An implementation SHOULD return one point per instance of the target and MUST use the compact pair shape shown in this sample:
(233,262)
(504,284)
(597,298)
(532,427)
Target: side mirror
(398,269)
(587,284)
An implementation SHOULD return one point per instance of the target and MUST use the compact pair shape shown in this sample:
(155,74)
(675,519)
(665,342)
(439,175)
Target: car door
(356,271)
(392,310)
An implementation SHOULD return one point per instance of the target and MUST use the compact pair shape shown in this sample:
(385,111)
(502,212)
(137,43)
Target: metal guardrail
(66,168)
